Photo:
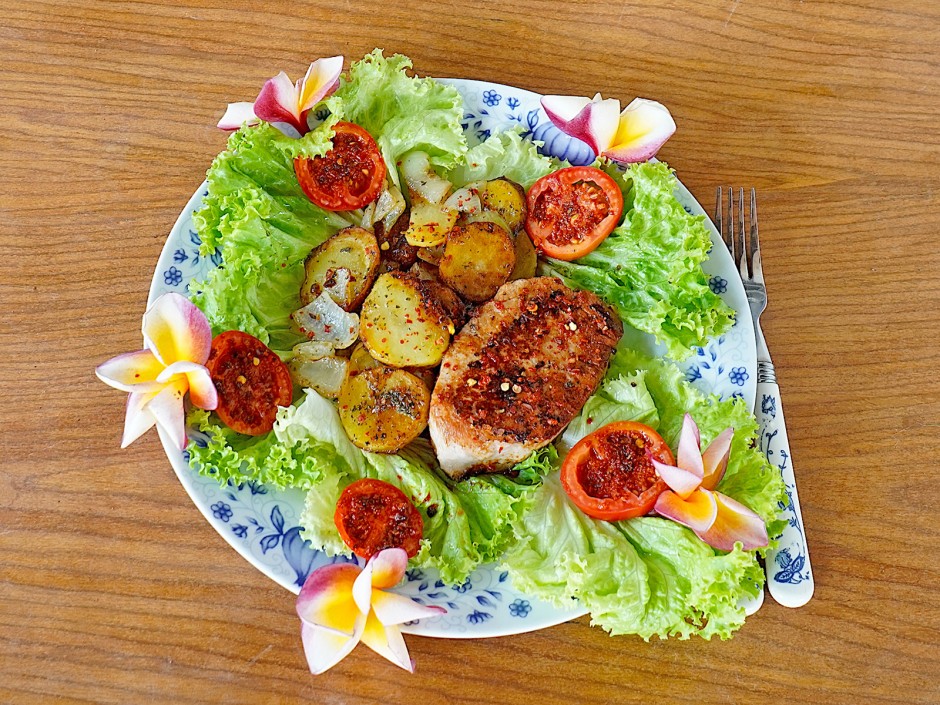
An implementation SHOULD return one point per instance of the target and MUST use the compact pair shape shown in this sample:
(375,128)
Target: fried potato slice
(402,322)
(344,267)
(383,410)
(478,259)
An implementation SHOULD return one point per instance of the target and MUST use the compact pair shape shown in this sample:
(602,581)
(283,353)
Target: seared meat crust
(518,373)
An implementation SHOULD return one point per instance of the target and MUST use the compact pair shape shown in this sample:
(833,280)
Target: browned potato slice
(402,324)
(395,251)
(431,255)
(361,359)
(527,258)
(383,410)
(454,306)
(426,270)
(478,259)
(429,223)
(506,198)
(344,267)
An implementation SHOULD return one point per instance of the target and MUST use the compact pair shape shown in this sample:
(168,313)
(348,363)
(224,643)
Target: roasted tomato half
(572,210)
(350,176)
(373,515)
(251,380)
(609,474)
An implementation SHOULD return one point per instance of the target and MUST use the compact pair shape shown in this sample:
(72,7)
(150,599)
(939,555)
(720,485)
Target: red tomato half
(608,474)
(350,176)
(251,380)
(373,515)
(572,210)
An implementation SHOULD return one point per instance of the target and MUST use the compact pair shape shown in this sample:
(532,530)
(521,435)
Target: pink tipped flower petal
(137,419)
(202,391)
(644,126)
(326,598)
(591,121)
(734,522)
(362,588)
(321,80)
(391,608)
(689,455)
(277,102)
(339,607)
(698,512)
(178,369)
(167,408)
(131,372)
(388,567)
(387,642)
(562,109)
(680,481)
(175,329)
(604,120)
(238,114)
(715,458)
(325,648)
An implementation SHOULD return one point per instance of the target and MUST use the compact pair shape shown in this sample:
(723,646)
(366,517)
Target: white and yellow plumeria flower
(177,338)
(343,604)
(692,501)
(632,135)
(282,102)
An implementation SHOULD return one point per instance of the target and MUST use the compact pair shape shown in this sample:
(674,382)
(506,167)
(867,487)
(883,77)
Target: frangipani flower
(281,101)
(177,338)
(343,604)
(715,518)
(634,135)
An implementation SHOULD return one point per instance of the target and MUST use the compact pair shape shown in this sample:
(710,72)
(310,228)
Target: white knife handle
(789,574)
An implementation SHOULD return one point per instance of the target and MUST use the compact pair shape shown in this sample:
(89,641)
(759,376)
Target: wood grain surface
(113,589)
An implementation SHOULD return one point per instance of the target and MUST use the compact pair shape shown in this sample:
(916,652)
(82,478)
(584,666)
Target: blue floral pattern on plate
(718,285)
(261,523)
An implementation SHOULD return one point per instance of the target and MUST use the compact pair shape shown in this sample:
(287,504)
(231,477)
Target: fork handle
(789,574)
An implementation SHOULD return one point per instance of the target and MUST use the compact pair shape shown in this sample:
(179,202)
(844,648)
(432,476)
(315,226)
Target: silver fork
(789,575)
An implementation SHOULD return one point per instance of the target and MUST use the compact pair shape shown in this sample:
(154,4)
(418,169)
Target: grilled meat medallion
(518,373)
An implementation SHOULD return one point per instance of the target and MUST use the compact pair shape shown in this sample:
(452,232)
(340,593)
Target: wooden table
(112,587)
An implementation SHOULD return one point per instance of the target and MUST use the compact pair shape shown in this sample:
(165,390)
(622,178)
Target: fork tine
(718,219)
(727,233)
(740,244)
(756,270)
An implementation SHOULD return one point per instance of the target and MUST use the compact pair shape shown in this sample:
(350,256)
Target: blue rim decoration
(261,523)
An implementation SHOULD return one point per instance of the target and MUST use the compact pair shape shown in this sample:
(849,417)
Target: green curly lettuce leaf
(750,479)
(621,397)
(647,576)
(402,112)
(263,225)
(465,523)
(503,154)
(229,456)
(649,268)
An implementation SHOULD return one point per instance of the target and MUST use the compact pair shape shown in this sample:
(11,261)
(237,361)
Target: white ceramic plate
(261,523)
